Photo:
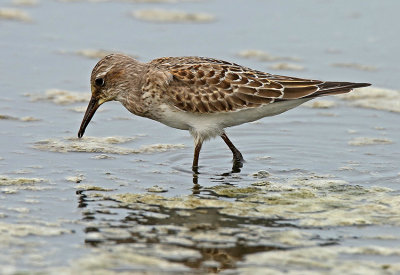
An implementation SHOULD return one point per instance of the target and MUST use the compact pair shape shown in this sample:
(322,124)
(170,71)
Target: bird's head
(109,81)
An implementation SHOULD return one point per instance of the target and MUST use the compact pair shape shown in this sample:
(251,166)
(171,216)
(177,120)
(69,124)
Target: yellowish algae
(25,2)
(210,233)
(100,145)
(22,171)
(355,66)
(103,156)
(187,233)
(156,189)
(24,230)
(103,261)
(175,234)
(159,1)
(88,187)
(91,53)
(315,201)
(189,202)
(22,210)
(6,181)
(261,174)
(12,185)
(80,109)
(375,98)
(162,15)
(7,117)
(264,56)
(14,14)
(26,242)
(77,178)
(60,97)
(133,1)
(362,141)
(29,118)
(94,54)
(31,201)
(25,119)
(227,191)
(286,66)
(321,260)
(320,104)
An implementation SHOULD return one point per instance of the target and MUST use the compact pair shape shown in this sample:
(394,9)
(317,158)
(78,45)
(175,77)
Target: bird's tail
(334,88)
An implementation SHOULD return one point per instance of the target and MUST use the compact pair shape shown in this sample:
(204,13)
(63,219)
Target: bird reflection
(112,224)
(236,169)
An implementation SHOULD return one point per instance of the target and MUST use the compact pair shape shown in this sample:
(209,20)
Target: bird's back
(207,85)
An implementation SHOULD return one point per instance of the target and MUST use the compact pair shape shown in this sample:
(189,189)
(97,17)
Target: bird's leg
(197,149)
(237,156)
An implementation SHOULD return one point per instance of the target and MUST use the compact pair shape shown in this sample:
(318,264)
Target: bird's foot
(237,164)
(195,169)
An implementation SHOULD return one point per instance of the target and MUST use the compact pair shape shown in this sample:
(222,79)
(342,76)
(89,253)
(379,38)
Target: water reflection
(200,238)
(223,177)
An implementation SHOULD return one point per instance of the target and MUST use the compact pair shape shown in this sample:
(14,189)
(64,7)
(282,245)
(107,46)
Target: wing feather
(206,85)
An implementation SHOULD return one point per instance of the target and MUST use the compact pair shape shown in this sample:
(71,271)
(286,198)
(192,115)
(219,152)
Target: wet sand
(318,193)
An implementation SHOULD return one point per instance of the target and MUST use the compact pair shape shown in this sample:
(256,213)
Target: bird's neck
(130,94)
(131,99)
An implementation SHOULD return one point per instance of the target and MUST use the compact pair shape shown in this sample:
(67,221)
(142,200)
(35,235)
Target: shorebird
(199,94)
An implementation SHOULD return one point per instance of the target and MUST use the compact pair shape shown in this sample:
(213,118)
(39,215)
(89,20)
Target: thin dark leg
(237,156)
(197,149)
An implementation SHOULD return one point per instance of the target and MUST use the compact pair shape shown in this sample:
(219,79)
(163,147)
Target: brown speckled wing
(205,85)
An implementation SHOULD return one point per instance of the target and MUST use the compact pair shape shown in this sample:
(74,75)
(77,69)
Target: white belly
(205,126)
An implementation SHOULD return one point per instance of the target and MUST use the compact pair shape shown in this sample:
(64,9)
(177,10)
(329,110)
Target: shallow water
(319,191)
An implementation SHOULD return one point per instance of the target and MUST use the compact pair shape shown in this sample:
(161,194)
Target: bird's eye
(99,81)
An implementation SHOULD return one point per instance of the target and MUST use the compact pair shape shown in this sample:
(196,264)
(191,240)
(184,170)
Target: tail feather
(333,88)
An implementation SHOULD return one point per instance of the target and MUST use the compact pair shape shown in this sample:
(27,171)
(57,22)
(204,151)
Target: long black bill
(91,109)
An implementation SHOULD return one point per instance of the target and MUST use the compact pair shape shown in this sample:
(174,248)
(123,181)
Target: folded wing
(204,85)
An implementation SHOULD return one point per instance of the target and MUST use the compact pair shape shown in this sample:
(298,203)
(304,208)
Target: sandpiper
(199,94)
